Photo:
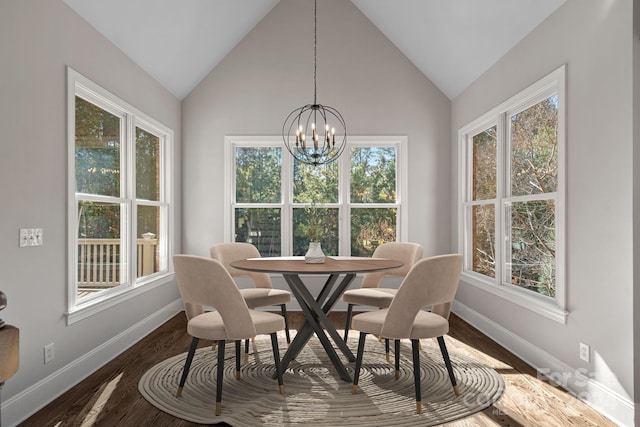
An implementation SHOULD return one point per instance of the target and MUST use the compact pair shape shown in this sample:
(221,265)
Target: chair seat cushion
(425,325)
(262,297)
(210,325)
(375,297)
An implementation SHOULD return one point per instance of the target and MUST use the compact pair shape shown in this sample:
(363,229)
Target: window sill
(520,297)
(82,311)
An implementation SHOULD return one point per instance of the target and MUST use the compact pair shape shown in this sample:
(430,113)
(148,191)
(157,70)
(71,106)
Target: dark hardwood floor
(110,396)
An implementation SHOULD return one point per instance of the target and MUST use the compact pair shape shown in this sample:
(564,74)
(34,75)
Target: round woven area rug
(314,393)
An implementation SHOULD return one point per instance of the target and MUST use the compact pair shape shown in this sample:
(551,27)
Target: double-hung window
(512,204)
(119,202)
(278,204)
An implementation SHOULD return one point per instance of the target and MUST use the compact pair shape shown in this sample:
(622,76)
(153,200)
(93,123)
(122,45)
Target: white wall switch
(30,237)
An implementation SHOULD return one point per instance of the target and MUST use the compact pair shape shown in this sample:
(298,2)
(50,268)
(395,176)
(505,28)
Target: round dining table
(316,308)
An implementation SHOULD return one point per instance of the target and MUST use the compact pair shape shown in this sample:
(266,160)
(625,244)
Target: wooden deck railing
(99,261)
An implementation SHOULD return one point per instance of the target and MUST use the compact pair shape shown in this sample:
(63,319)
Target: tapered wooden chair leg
(356,372)
(396,347)
(220,373)
(347,324)
(447,362)
(283,308)
(238,359)
(276,358)
(187,365)
(416,374)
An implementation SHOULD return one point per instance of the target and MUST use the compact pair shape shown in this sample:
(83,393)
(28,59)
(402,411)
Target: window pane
(147,165)
(315,224)
(532,246)
(534,149)
(147,249)
(97,150)
(484,164)
(373,175)
(258,172)
(315,184)
(483,239)
(99,247)
(261,227)
(370,228)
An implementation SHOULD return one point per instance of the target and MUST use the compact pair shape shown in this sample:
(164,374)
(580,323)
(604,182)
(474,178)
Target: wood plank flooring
(110,396)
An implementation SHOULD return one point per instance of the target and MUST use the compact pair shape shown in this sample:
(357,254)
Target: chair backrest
(431,282)
(227,253)
(407,252)
(205,282)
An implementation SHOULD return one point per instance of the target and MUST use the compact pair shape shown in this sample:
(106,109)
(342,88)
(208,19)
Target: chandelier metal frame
(319,147)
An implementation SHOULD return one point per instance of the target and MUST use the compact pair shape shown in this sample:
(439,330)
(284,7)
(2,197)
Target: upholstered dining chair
(262,294)
(430,282)
(204,282)
(370,293)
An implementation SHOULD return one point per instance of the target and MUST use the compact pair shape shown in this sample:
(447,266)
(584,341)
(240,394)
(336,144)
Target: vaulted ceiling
(179,42)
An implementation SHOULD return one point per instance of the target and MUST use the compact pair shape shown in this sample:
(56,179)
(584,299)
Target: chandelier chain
(315,52)
(309,132)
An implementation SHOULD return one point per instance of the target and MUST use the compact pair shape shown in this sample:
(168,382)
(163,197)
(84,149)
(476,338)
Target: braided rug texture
(314,393)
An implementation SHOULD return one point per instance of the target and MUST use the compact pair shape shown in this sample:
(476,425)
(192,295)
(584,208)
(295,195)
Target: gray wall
(38,39)
(636,200)
(594,39)
(270,72)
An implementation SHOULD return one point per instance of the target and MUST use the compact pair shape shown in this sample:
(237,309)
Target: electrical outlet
(48,353)
(30,237)
(584,352)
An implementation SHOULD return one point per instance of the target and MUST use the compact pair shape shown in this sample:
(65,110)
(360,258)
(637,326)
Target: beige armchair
(430,282)
(262,294)
(370,294)
(205,282)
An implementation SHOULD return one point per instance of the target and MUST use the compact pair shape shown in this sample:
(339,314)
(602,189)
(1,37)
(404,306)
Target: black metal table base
(316,317)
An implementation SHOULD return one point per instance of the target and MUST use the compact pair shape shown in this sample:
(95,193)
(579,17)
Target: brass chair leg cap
(218,408)
(354,389)
(237,375)
(387,356)
(397,374)
(418,407)
(179,392)
(456,390)
(281,389)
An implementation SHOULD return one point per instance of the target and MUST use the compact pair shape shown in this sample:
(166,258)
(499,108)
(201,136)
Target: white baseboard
(604,400)
(21,406)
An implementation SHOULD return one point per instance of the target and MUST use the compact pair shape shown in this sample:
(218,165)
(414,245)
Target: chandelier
(309,132)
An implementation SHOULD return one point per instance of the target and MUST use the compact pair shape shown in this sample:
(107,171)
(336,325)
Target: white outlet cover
(585,352)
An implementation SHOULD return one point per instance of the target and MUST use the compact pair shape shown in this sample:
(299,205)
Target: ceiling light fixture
(309,132)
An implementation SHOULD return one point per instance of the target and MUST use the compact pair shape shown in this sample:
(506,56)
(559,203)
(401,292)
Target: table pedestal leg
(316,316)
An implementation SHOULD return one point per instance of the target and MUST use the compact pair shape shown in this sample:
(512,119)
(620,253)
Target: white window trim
(399,142)
(551,308)
(77,311)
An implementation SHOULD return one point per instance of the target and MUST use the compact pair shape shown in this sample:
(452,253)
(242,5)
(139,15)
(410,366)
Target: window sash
(130,120)
(552,307)
(288,205)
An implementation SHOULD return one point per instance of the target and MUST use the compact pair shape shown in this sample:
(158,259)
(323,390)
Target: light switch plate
(30,237)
